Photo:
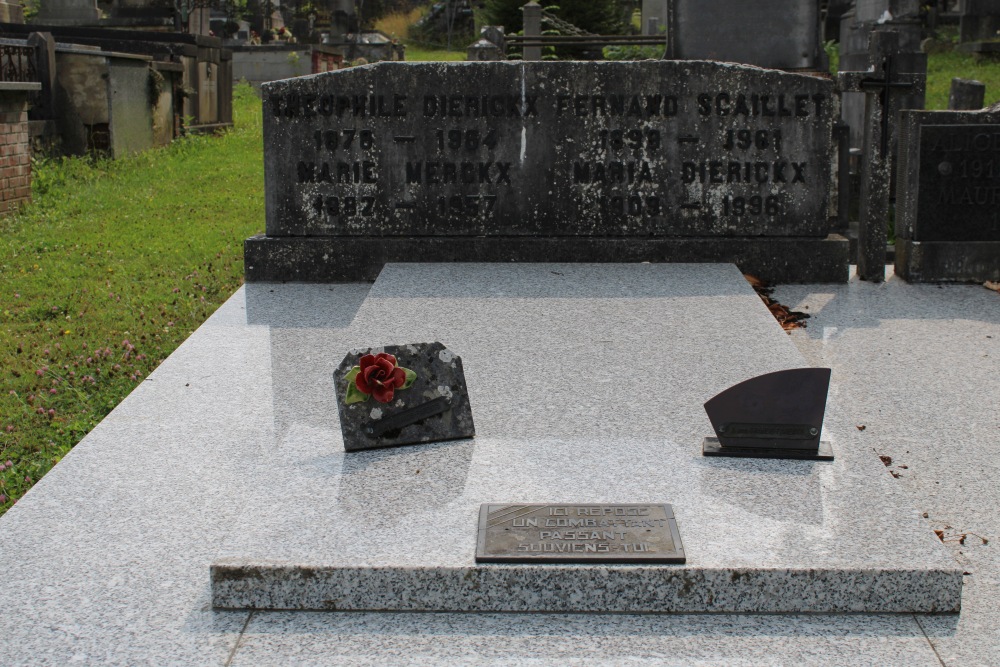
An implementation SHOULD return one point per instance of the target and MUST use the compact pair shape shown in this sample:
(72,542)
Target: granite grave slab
(948,227)
(588,382)
(547,161)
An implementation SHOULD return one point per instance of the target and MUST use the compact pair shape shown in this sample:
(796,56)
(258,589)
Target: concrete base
(587,384)
(345,259)
(947,262)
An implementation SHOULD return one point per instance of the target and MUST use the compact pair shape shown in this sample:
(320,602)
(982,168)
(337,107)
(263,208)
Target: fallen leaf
(886,460)
(788,319)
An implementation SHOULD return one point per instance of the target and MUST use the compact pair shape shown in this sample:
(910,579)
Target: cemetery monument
(462,190)
(659,161)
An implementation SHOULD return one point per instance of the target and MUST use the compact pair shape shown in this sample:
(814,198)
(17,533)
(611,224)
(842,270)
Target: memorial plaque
(402,395)
(775,415)
(948,196)
(583,533)
(407,161)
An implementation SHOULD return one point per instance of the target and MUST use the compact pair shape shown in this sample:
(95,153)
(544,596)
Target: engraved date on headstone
(585,533)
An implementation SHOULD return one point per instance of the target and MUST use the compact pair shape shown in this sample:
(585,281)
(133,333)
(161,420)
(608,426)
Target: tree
(601,17)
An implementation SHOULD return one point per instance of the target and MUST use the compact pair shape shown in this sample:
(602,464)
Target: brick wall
(15,151)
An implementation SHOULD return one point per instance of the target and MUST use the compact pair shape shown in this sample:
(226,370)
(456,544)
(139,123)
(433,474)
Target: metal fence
(16,62)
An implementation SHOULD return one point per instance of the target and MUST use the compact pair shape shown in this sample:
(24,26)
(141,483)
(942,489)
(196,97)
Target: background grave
(948,220)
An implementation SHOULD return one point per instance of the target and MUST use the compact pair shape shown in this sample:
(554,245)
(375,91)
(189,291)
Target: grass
(419,53)
(942,67)
(398,24)
(107,272)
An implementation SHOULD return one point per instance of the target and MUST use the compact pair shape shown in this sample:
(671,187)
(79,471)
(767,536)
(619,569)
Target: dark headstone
(484,49)
(884,86)
(406,394)
(948,220)
(966,95)
(776,415)
(979,21)
(548,161)
(766,33)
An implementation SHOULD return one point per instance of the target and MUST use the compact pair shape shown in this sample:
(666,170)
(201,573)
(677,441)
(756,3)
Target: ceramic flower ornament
(379,376)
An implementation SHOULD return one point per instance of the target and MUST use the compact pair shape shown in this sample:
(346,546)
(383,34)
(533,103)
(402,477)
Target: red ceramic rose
(379,376)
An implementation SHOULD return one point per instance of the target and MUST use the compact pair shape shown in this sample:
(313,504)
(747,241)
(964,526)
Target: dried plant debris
(788,319)
(948,534)
(991,285)
(887,461)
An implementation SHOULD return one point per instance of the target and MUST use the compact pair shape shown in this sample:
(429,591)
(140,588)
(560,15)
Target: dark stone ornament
(776,416)
(402,395)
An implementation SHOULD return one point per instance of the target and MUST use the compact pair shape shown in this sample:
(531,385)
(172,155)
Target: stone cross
(884,87)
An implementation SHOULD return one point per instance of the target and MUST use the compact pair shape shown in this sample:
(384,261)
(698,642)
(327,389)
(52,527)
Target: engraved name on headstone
(587,533)
(400,160)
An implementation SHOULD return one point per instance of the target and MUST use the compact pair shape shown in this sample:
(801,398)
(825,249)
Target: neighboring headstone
(654,16)
(402,395)
(495,34)
(884,87)
(948,212)
(774,416)
(966,95)
(559,161)
(766,33)
(483,49)
(856,28)
(979,21)
(67,12)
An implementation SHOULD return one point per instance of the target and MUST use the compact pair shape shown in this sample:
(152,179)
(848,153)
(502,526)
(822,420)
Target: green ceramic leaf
(410,377)
(354,395)
(353,373)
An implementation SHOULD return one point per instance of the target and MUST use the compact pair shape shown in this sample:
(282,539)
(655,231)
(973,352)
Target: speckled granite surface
(587,384)
(103,562)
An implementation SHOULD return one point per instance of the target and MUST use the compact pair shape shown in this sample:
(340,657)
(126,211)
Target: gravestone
(856,28)
(572,161)
(654,17)
(67,12)
(884,87)
(768,33)
(948,214)
(979,21)
(966,95)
